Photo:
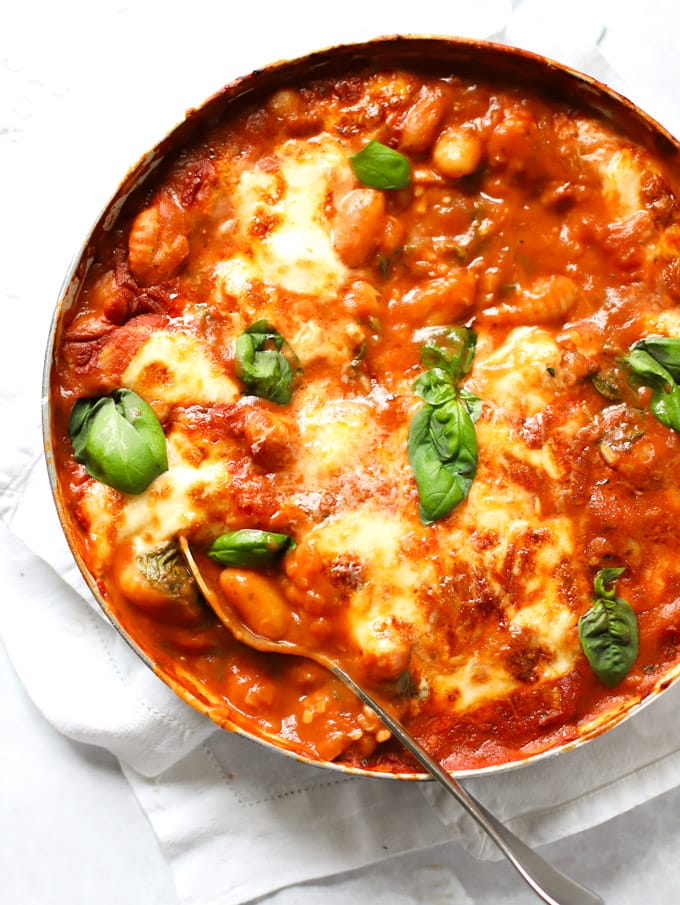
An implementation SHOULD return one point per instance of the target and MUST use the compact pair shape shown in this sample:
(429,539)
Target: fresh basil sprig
(381,167)
(250,547)
(655,362)
(608,632)
(663,349)
(453,351)
(119,440)
(266,363)
(442,443)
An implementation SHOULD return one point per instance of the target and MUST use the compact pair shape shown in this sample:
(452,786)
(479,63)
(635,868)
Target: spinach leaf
(249,547)
(266,363)
(442,444)
(381,167)
(119,440)
(655,362)
(608,632)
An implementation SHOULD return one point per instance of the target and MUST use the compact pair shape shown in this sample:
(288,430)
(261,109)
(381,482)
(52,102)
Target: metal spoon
(547,882)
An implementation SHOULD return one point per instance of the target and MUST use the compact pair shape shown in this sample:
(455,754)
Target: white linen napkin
(235,819)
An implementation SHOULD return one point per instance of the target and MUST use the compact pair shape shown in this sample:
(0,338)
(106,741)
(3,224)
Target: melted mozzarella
(472,683)
(173,368)
(336,346)
(334,433)
(101,505)
(554,627)
(619,168)
(185,495)
(295,251)
(388,592)
(508,514)
(515,376)
(663,323)
(500,442)
(170,504)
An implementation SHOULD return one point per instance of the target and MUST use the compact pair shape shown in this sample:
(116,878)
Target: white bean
(457,152)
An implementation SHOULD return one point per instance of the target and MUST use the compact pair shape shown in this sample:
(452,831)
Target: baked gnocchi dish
(396,347)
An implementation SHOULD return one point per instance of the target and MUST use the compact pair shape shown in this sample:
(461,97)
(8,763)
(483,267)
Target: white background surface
(74,76)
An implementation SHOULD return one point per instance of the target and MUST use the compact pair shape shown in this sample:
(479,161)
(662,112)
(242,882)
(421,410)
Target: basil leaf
(442,451)
(79,421)
(141,416)
(665,405)
(665,401)
(472,403)
(266,363)
(249,547)
(608,632)
(603,578)
(606,386)
(269,375)
(435,386)
(453,352)
(165,569)
(645,368)
(663,349)
(453,434)
(381,167)
(119,440)
(442,444)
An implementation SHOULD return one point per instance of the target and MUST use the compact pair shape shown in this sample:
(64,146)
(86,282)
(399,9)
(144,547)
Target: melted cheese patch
(337,346)
(99,503)
(388,592)
(515,375)
(507,514)
(334,432)
(619,168)
(554,627)
(294,249)
(173,368)
(176,500)
(500,442)
(483,677)
(663,323)
(472,684)
(181,497)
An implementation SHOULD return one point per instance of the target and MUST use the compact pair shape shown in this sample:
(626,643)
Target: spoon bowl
(547,882)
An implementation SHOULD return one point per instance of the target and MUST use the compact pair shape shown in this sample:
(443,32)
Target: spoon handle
(552,886)
(547,882)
